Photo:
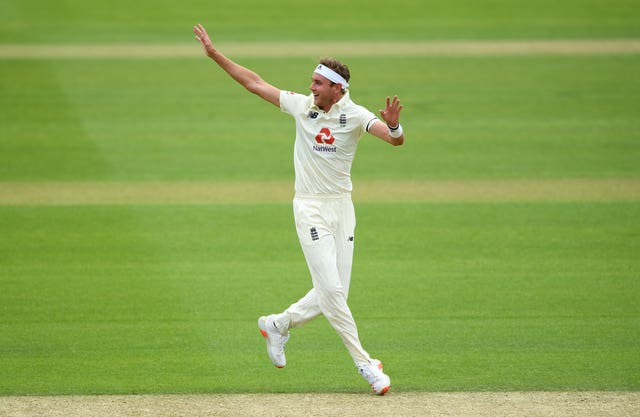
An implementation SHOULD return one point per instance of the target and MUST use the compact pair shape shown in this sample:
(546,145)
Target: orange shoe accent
(264,334)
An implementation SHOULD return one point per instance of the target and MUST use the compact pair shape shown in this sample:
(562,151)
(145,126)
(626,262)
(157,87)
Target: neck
(334,101)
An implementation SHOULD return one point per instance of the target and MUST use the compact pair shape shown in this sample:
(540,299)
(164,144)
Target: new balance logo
(314,234)
(343,120)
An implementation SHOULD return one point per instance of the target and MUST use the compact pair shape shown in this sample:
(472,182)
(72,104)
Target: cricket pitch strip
(459,404)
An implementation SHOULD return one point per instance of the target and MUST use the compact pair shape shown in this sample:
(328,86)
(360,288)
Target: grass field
(467,296)
(153,283)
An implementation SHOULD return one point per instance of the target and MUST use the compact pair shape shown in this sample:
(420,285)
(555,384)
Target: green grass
(154,299)
(491,117)
(161,299)
(25,21)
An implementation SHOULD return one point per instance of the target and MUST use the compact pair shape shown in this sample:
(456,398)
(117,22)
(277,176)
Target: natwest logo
(325,136)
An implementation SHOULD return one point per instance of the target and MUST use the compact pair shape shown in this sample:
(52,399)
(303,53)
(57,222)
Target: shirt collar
(340,105)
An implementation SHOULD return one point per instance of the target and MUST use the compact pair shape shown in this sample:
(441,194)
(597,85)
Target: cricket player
(328,128)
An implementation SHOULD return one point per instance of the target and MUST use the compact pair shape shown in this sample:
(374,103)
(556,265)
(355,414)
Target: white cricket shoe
(372,372)
(275,340)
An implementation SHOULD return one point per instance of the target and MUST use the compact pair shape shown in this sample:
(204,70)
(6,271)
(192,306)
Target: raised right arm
(244,76)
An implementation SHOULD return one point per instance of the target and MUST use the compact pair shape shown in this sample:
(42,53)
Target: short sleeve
(292,103)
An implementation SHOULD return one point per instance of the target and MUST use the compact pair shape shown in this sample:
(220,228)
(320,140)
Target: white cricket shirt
(325,142)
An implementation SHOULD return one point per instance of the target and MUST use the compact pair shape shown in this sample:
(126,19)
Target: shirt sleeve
(367,119)
(292,103)
(370,123)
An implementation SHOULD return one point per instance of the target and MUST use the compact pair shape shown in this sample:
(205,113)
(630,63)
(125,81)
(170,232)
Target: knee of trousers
(332,302)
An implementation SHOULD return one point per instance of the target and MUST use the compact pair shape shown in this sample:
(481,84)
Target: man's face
(325,94)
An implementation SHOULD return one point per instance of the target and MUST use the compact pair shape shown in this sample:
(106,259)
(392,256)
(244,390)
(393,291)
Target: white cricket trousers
(326,228)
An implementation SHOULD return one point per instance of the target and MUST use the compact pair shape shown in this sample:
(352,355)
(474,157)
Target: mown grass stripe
(349,48)
(114,193)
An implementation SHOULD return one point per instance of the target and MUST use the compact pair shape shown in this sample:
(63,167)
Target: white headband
(331,75)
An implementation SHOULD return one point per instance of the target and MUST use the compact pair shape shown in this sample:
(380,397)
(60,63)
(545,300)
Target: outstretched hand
(203,38)
(391,113)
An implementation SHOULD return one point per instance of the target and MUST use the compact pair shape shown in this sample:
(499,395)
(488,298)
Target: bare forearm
(244,76)
(382,131)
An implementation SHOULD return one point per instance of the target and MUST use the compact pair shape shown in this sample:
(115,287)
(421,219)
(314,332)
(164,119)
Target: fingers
(205,41)
(396,104)
(200,32)
(393,105)
(391,112)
